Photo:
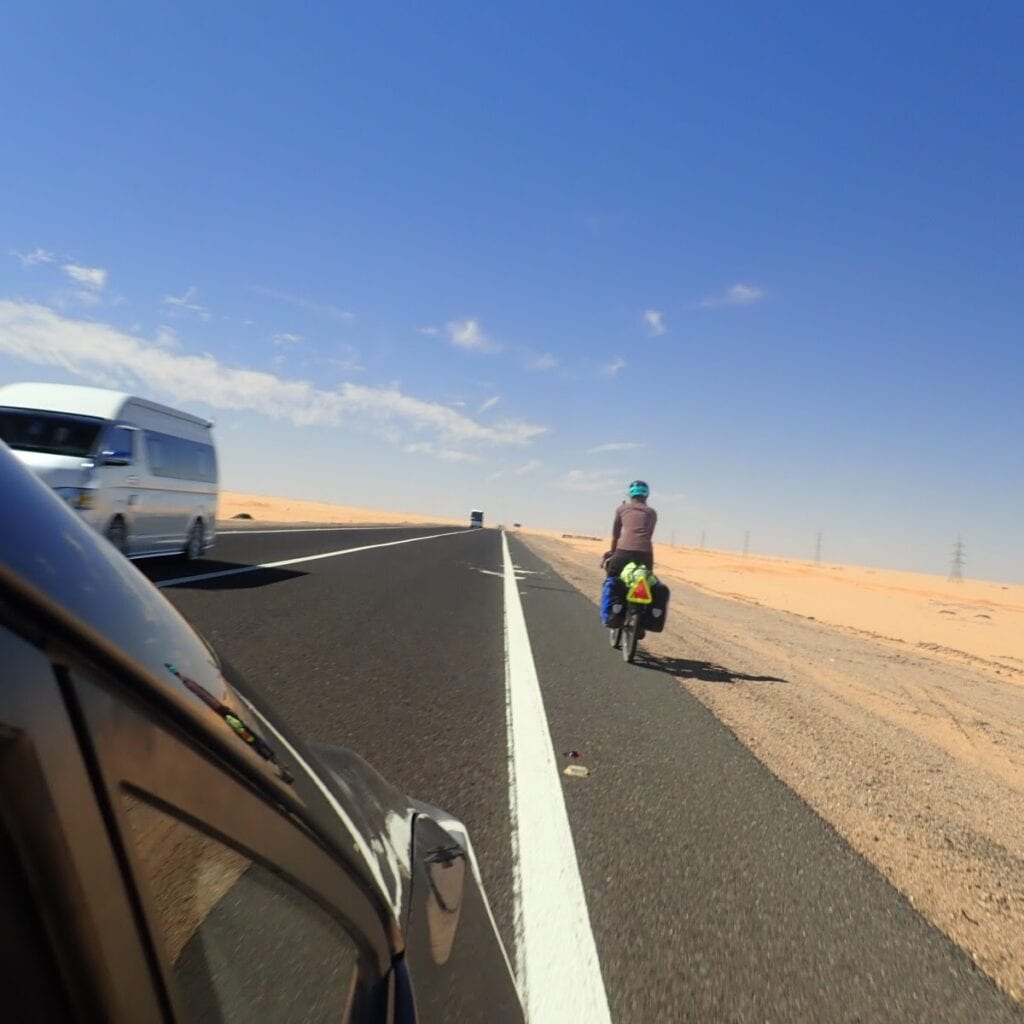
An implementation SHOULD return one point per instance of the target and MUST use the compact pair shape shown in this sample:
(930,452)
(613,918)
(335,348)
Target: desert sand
(971,620)
(290,511)
(892,703)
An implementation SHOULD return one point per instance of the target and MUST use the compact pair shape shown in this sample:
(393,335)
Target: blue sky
(431,259)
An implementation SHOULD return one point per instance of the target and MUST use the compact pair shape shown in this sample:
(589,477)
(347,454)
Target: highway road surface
(680,881)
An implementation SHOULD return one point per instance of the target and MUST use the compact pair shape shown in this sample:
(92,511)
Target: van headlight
(77,497)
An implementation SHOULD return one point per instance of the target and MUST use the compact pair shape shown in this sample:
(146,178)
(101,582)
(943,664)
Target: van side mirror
(117,458)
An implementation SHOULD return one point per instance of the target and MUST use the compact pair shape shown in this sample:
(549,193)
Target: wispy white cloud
(529,467)
(287,338)
(612,368)
(545,361)
(431,332)
(616,446)
(166,337)
(187,303)
(101,353)
(310,305)
(736,295)
(445,454)
(490,403)
(86,298)
(655,320)
(468,334)
(585,481)
(30,259)
(348,361)
(93,277)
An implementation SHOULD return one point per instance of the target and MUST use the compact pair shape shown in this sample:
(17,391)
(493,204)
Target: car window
(120,441)
(244,944)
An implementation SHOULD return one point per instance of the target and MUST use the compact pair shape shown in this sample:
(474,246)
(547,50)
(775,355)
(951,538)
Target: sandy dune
(293,510)
(892,703)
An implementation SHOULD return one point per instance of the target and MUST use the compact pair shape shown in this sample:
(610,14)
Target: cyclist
(632,531)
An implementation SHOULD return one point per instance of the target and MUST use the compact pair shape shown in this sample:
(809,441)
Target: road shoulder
(917,764)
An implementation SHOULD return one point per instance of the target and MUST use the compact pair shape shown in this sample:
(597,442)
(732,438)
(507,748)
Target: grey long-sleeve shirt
(633,528)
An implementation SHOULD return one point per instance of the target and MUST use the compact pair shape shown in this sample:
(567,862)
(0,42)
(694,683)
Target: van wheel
(117,534)
(194,543)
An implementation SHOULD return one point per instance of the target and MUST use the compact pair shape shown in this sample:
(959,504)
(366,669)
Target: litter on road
(576,771)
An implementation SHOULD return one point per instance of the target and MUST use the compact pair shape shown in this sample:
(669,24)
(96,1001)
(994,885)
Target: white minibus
(141,473)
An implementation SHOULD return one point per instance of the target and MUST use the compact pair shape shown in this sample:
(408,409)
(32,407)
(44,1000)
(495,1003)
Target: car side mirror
(117,458)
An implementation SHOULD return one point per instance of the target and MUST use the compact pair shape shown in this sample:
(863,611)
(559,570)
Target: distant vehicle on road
(142,474)
(170,850)
(476,519)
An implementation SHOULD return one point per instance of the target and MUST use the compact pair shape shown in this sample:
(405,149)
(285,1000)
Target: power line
(956,568)
(746,543)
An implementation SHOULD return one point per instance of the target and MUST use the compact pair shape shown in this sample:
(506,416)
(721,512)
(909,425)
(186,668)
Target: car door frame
(57,822)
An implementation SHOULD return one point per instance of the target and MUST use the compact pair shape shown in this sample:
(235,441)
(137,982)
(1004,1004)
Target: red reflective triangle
(640,591)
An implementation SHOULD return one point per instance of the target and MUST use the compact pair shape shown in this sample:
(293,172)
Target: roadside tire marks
(557,967)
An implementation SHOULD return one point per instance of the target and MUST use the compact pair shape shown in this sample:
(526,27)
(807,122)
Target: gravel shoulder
(918,762)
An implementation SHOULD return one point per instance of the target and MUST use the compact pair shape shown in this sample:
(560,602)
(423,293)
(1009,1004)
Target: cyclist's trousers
(620,559)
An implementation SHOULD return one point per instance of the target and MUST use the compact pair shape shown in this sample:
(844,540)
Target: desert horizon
(288,510)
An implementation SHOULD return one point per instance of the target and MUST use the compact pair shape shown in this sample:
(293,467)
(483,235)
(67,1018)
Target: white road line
(312,529)
(558,971)
(296,561)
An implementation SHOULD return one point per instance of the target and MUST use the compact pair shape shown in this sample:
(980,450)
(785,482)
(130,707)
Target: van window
(175,457)
(120,441)
(53,433)
(155,454)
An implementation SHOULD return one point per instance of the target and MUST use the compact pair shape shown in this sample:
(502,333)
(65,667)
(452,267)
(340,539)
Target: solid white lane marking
(310,529)
(296,561)
(557,967)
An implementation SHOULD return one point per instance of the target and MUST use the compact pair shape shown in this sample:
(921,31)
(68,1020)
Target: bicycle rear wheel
(630,636)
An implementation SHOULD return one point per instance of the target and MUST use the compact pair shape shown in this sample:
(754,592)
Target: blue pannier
(613,602)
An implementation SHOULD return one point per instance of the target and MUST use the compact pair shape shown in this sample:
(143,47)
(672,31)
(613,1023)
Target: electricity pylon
(956,568)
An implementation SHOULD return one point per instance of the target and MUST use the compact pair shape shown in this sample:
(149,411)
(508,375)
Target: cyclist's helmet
(638,489)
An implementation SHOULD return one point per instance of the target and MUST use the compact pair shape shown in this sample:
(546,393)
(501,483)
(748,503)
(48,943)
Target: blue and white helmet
(638,489)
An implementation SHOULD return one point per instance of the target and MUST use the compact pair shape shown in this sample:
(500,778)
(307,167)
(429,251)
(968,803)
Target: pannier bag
(653,595)
(613,602)
(656,612)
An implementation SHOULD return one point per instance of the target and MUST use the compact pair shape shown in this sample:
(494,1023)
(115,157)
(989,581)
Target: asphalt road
(714,893)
